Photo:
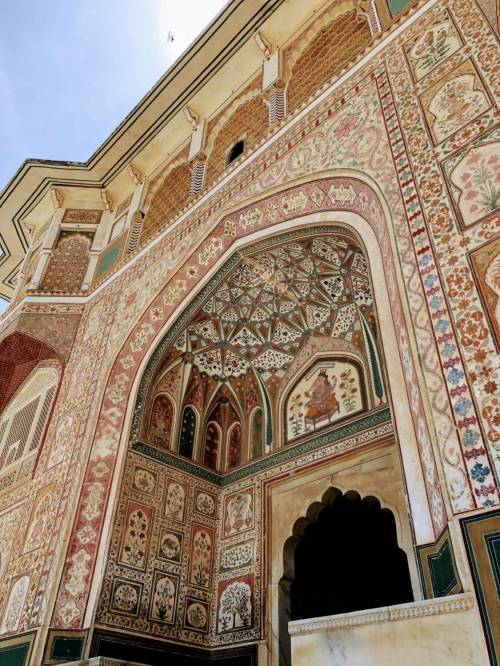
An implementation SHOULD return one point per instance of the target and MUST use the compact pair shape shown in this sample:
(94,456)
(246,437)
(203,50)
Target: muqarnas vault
(249,397)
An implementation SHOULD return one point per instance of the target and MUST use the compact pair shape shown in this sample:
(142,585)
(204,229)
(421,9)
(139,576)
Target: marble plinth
(441,632)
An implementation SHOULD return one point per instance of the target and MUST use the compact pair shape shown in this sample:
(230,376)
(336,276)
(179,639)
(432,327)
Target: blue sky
(71,70)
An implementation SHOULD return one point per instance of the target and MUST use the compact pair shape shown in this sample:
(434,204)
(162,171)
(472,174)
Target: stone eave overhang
(155,111)
(234,25)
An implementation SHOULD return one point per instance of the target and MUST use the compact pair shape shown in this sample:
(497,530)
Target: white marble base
(434,632)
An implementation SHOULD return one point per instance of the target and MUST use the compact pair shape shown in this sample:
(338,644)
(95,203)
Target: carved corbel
(106,200)
(192,117)
(57,198)
(135,174)
(263,43)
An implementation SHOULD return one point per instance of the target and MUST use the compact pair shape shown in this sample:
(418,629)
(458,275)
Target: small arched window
(236,151)
(212,443)
(23,420)
(188,432)
(234,446)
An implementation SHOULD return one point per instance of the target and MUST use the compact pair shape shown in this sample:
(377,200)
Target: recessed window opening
(236,151)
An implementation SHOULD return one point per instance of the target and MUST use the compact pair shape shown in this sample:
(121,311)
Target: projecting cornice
(233,27)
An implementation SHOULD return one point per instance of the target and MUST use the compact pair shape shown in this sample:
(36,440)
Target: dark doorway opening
(342,557)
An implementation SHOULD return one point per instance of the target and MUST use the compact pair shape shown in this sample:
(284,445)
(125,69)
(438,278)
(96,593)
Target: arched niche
(212,445)
(373,230)
(234,446)
(188,431)
(331,389)
(241,343)
(223,432)
(342,556)
(256,434)
(161,422)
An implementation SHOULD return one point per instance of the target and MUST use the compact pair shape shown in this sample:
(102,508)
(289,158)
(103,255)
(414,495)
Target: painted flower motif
(272,211)
(470,437)
(459,283)
(141,337)
(430,187)
(435,302)
(69,613)
(197,616)
(210,251)
(442,326)
(156,314)
(192,272)
(471,328)
(174,292)
(455,376)
(346,126)
(229,228)
(125,598)
(449,350)
(491,413)
(127,362)
(479,472)
(462,406)
(490,387)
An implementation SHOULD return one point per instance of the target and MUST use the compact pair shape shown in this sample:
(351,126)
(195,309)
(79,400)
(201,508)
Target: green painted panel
(442,571)
(108,258)
(14,655)
(397,6)
(68,648)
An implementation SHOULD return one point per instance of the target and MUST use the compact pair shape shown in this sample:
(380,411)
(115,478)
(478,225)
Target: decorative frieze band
(452,604)
(102,661)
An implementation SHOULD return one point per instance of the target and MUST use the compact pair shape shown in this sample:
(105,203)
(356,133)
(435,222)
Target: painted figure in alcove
(329,391)
(322,401)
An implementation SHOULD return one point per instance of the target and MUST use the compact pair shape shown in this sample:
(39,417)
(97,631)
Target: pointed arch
(425,497)
(212,445)
(256,434)
(188,432)
(161,422)
(234,446)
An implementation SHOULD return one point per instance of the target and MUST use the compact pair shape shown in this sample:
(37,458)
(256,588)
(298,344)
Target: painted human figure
(322,399)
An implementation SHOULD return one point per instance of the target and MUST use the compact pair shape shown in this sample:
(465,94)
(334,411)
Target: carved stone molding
(452,604)
(102,661)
